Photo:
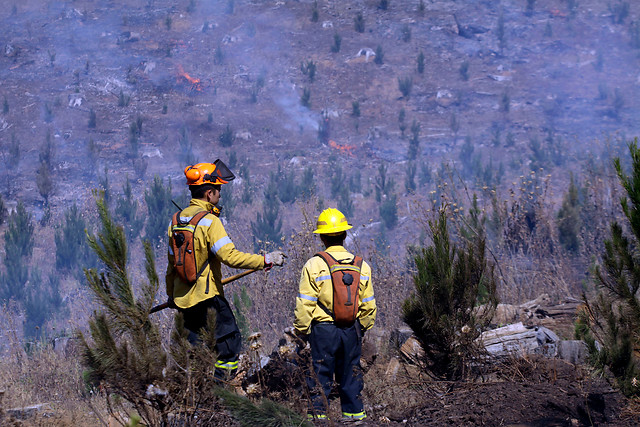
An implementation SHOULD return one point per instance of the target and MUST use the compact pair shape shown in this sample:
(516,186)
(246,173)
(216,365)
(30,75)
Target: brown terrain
(510,105)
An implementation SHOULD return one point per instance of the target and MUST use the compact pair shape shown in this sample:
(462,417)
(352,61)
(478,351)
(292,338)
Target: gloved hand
(274,258)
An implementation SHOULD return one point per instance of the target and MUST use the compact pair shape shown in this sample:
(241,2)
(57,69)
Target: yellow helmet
(331,221)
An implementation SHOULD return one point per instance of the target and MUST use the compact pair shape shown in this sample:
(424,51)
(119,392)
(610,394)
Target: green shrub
(229,200)
(227,137)
(314,11)
(406,33)
(308,68)
(634,31)
(305,99)
(464,70)
(159,211)
(505,102)
(569,221)
(267,228)
(337,181)
(186,147)
(379,55)
(382,184)
(425,173)
(389,211)
(126,211)
(500,33)
(242,304)
(287,188)
(123,99)
(618,102)
(530,7)
(218,56)
(5,105)
(410,178)
(48,112)
(404,85)
(72,250)
(44,182)
(42,302)
(345,203)
(402,125)
(231,4)
(307,184)
(3,210)
(454,300)
(92,119)
(324,129)
(359,23)
(420,62)
(337,42)
(18,248)
(383,5)
(355,108)
(454,124)
(612,317)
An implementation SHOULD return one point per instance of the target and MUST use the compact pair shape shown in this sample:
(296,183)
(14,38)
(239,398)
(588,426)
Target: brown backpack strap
(195,220)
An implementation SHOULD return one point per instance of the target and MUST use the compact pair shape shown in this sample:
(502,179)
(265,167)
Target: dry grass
(48,378)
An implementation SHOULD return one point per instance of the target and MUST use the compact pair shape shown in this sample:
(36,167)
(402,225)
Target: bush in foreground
(610,321)
(454,300)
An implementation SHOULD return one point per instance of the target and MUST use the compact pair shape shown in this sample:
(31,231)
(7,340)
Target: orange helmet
(215,173)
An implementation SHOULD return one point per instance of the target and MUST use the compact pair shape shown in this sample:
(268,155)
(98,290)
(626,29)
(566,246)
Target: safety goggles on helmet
(215,173)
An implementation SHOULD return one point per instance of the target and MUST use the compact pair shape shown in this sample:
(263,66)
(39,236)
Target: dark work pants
(336,351)
(228,339)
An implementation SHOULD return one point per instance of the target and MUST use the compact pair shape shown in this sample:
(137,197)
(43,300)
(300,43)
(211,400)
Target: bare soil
(532,392)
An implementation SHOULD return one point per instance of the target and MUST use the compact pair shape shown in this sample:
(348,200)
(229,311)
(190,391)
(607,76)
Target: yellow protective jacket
(210,241)
(315,286)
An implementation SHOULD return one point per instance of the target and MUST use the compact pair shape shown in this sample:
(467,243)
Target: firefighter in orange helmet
(211,247)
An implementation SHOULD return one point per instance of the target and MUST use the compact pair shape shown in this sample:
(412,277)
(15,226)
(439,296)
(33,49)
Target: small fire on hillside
(345,149)
(557,13)
(196,84)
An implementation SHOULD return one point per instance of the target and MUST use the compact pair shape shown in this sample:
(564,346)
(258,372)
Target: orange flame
(345,149)
(195,83)
(558,12)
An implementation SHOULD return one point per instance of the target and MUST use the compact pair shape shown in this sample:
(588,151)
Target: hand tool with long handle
(224,282)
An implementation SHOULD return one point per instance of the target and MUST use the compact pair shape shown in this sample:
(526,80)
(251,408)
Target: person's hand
(274,258)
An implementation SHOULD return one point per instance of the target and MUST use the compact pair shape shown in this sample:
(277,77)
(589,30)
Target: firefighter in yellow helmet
(335,306)
(211,247)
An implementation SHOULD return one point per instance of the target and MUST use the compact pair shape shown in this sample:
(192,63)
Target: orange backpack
(184,259)
(345,278)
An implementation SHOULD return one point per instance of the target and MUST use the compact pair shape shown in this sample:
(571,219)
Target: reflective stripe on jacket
(210,241)
(315,286)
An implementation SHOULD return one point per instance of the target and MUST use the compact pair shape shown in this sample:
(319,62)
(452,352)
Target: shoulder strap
(326,256)
(329,260)
(195,220)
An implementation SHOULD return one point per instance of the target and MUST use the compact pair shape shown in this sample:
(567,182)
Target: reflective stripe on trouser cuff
(356,416)
(226,365)
(316,417)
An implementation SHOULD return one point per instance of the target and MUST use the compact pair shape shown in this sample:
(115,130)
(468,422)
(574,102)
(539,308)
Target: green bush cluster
(454,301)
